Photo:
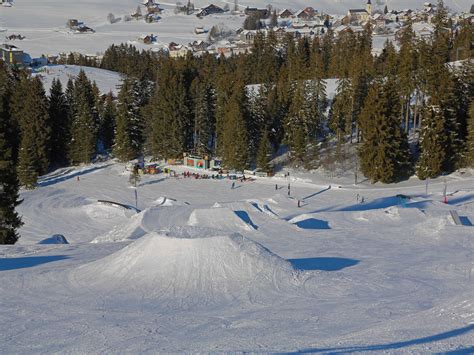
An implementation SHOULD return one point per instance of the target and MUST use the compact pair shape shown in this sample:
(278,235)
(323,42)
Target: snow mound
(188,267)
(221,218)
(153,219)
(168,201)
(130,230)
(55,239)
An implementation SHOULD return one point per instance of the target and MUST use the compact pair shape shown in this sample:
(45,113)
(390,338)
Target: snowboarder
(233,185)
(78,179)
(299,203)
(362,200)
(276,186)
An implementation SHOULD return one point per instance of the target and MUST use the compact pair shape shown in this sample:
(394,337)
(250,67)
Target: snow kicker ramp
(183,269)
(221,218)
(150,220)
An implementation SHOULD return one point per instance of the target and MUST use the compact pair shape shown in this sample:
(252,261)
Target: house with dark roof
(209,10)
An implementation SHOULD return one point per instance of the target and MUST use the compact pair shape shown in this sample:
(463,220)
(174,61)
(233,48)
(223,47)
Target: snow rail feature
(116,204)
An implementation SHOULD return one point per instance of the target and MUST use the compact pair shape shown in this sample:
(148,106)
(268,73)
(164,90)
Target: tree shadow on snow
(399,345)
(323,263)
(27,262)
(55,180)
(313,223)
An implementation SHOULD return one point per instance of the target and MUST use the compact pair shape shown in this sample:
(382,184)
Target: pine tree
(107,122)
(60,125)
(235,135)
(9,219)
(301,122)
(432,144)
(407,72)
(171,118)
(129,129)
(342,117)
(258,103)
(274,19)
(470,137)
(264,153)
(82,145)
(204,120)
(383,154)
(35,126)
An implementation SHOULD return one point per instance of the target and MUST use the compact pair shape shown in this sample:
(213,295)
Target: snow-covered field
(204,267)
(43,23)
(106,80)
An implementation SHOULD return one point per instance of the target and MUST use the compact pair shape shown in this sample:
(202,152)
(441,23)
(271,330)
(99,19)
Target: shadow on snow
(55,180)
(313,223)
(323,263)
(27,262)
(399,345)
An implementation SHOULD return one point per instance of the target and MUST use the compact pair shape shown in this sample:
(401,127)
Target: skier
(299,203)
(233,185)
(276,186)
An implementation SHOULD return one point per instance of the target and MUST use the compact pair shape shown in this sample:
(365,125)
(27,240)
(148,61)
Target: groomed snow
(181,270)
(243,269)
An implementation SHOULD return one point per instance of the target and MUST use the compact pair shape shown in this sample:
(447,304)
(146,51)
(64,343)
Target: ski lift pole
(445,197)
(136,198)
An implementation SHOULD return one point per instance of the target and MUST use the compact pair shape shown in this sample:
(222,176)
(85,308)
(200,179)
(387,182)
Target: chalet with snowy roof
(357,16)
(285,13)
(210,10)
(147,39)
(306,14)
(177,50)
(197,46)
(248,36)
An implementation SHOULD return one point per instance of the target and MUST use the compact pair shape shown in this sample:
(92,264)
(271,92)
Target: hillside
(43,23)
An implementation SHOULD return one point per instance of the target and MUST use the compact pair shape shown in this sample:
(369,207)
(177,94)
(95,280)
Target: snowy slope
(43,22)
(335,275)
(182,271)
(106,80)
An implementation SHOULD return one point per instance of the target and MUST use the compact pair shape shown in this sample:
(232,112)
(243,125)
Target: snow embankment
(187,268)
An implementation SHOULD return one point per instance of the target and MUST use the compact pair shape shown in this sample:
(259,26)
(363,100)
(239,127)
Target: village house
(198,46)
(199,30)
(248,36)
(152,7)
(210,10)
(253,11)
(147,39)
(12,55)
(306,14)
(359,16)
(177,50)
(285,13)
